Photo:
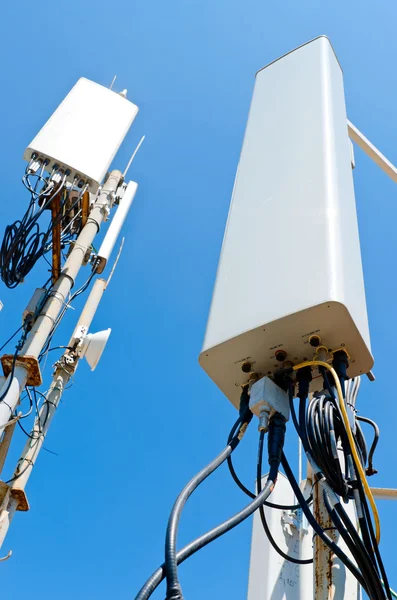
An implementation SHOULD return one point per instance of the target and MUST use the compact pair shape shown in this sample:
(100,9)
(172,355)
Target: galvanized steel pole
(331,579)
(65,369)
(58,297)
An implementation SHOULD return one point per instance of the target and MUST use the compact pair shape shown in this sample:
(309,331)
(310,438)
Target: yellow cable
(367,489)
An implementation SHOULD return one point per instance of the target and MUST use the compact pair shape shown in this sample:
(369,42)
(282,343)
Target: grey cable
(154,581)
(174,591)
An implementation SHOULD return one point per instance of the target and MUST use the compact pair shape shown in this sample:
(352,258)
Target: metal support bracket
(30,363)
(372,151)
(18,494)
(384,493)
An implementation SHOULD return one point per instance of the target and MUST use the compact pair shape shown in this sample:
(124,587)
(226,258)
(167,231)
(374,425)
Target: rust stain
(317,549)
(30,363)
(20,495)
(85,208)
(329,573)
(323,557)
(56,235)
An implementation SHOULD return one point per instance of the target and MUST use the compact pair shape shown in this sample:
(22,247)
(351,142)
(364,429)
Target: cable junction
(333,441)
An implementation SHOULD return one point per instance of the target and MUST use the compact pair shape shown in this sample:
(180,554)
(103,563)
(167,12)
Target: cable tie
(91,220)
(50,401)
(24,460)
(326,529)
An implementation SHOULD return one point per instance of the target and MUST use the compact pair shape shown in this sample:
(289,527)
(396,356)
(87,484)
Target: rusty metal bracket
(30,363)
(56,235)
(18,494)
(384,493)
(85,208)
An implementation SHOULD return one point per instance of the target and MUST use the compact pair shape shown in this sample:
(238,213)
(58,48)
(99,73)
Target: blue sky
(130,435)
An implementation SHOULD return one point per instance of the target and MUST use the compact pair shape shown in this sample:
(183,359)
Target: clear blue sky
(130,435)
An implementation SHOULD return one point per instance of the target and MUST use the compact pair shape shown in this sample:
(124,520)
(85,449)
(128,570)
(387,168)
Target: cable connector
(266,399)
(304,377)
(275,443)
(244,401)
(370,471)
(56,178)
(33,167)
(174,593)
(340,363)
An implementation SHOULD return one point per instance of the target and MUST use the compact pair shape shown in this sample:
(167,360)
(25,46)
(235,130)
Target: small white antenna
(113,80)
(133,156)
(115,262)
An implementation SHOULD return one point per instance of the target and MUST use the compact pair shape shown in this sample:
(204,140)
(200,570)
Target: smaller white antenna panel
(85,132)
(272,577)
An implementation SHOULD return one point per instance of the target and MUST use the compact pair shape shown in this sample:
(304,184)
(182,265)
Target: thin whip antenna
(133,156)
(115,263)
(113,80)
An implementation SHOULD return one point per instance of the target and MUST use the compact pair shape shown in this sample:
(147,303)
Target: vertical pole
(271,577)
(5,443)
(42,327)
(305,542)
(322,555)
(58,296)
(299,461)
(64,371)
(331,579)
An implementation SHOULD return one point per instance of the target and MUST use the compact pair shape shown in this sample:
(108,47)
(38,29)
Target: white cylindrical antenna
(114,264)
(115,226)
(133,156)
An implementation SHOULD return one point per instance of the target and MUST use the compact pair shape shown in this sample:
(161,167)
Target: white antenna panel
(290,265)
(85,132)
(272,577)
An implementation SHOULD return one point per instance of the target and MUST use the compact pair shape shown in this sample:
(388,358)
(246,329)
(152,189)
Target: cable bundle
(169,569)
(337,452)
(24,242)
(324,426)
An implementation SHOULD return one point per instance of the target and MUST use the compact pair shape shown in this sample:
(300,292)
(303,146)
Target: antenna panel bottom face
(330,321)
(290,265)
(84,134)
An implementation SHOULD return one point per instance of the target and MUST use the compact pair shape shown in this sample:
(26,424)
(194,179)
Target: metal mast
(81,195)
